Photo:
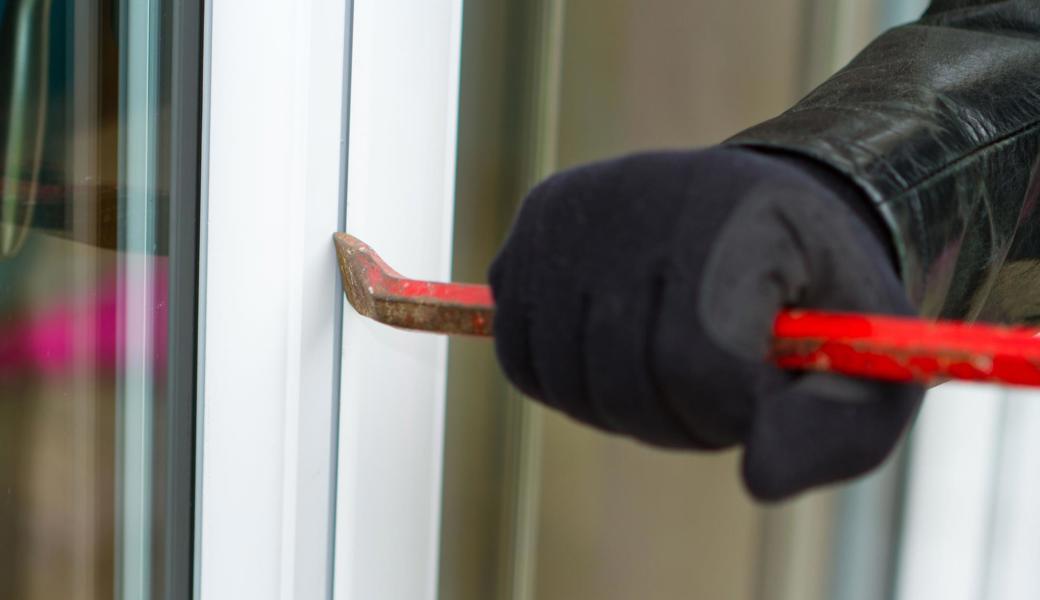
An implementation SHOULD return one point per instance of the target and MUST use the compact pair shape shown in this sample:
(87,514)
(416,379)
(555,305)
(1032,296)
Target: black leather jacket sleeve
(938,122)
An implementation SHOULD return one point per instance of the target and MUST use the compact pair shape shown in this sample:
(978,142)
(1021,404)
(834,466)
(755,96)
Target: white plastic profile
(269,342)
(972,523)
(400,191)
(950,491)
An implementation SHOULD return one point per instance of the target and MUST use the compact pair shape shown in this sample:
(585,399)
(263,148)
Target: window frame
(404,90)
(282,81)
(269,305)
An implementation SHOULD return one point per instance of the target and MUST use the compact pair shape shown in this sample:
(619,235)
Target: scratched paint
(381,293)
(906,349)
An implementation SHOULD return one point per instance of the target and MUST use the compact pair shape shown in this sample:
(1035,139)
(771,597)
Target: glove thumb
(820,428)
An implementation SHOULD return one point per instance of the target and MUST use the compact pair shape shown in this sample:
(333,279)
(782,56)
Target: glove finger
(822,428)
(539,309)
(578,234)
(512,286)
(513,344)
(618,366)
(711,390)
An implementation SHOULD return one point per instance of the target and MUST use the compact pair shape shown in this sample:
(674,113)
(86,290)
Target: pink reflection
(52,341)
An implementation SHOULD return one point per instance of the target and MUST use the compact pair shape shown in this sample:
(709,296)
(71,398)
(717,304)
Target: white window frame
(274,341)
(269,305)
(400,199)
(971,527)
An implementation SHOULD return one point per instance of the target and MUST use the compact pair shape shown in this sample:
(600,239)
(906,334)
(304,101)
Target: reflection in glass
(95,453)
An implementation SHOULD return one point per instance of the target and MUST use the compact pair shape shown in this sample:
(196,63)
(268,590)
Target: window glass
(98,147)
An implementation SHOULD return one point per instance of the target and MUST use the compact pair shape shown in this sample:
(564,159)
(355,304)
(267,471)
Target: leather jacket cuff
(938,124)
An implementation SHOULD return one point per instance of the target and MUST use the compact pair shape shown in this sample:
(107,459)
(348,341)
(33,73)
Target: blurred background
(536,506)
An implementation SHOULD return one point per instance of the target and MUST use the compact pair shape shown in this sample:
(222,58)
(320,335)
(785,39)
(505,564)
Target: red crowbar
(878,347)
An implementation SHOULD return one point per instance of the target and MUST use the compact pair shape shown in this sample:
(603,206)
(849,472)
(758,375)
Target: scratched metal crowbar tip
(381,293)
(872,346)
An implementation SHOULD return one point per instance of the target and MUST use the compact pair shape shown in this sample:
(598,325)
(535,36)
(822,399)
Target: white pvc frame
(271,347)
(972,527)
(400,199)
(950,486)
(274,97)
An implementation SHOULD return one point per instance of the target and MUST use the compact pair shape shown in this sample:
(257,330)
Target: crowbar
(871,346)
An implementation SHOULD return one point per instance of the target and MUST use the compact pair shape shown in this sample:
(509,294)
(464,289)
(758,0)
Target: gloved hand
(638,296)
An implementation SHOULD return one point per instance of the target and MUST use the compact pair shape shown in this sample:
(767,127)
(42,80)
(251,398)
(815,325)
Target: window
(99,149)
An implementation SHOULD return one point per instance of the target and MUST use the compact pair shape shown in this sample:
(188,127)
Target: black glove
(638,295)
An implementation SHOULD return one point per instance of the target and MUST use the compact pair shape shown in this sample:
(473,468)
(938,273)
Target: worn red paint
(377,291)
(907,349)
(878,347)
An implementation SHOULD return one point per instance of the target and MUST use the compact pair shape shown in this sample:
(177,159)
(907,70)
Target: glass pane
(98,204)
